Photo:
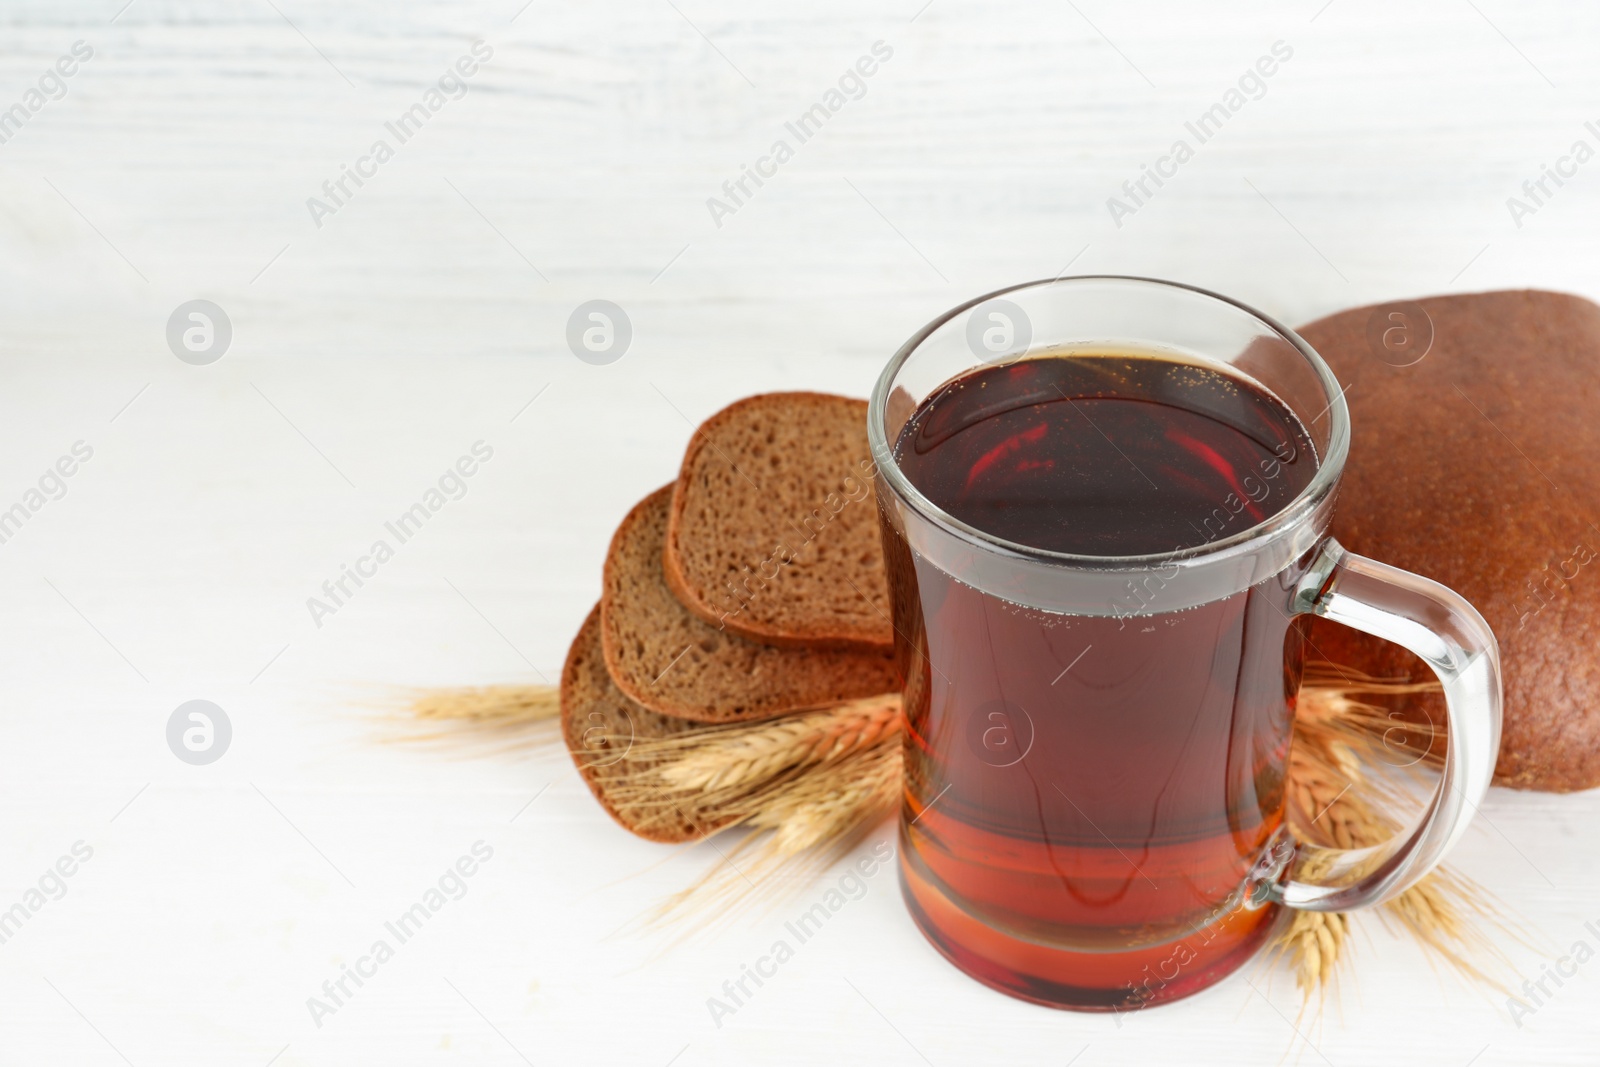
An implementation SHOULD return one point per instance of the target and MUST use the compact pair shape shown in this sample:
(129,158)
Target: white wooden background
(427,313)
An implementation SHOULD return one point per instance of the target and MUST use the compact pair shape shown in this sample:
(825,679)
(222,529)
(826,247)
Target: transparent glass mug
(1107,831)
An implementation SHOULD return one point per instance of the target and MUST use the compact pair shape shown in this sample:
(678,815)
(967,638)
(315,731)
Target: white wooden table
(426,313)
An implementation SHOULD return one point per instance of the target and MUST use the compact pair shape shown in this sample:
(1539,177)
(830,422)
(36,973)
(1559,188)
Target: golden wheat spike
(764,750)
(489,705)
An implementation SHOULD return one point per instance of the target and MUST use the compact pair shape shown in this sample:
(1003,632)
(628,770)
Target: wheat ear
(1336,800)
(488,705)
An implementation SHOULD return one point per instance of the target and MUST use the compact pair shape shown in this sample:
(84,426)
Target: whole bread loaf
(1475,460)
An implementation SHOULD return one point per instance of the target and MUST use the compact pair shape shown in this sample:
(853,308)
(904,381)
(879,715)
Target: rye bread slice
(774,529)
(600,725)
(678,664)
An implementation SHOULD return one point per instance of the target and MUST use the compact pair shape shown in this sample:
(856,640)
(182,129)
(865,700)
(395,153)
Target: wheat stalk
(489,705)
(737,757)
(1337,801)
(492,718)
(813,780)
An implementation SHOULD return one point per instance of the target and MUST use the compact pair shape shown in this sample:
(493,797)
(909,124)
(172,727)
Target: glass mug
(1096,746)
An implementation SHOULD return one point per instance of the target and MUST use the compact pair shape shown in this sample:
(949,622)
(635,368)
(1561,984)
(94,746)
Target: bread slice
(774,529)
(600,725)
(678,664)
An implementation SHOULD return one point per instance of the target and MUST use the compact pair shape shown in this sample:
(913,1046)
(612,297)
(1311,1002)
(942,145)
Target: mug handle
(1441,628)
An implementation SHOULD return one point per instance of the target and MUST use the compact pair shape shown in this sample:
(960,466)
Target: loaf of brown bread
(601,725)
(678,664)
(1475,460)
(774,530)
